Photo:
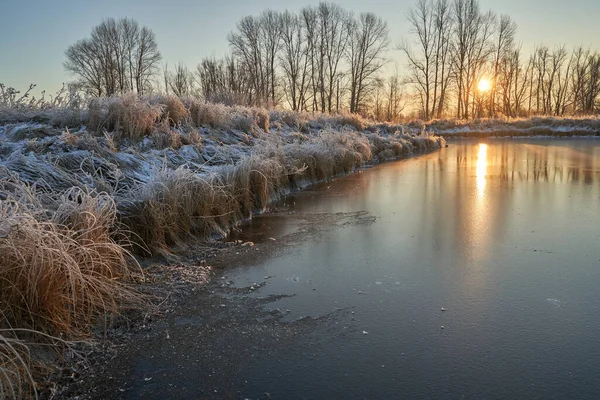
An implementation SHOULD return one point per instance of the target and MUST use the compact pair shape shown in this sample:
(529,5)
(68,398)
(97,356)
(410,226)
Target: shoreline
(181,281)
(155,180)
(232,255)
(520,135)
(78,203)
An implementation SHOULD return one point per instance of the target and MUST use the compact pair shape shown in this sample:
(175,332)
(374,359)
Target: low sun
(484,85)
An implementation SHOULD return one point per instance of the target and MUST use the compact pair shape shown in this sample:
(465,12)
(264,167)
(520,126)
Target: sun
(484,85)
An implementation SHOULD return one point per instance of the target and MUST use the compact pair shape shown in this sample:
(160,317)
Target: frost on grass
(85,185)
(149,154)
(80,195)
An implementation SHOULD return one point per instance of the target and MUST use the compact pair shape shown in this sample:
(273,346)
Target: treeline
(325,58)
(458,45)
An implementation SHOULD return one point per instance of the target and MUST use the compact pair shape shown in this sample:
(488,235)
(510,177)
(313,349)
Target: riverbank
(86,192)
(359,268)
(514,127)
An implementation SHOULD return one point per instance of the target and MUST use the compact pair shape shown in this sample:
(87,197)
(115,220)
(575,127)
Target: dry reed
(58,274)
(16,380)
(129,115)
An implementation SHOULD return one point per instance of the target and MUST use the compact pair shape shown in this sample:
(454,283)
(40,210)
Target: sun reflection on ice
(481,169)
(480,219)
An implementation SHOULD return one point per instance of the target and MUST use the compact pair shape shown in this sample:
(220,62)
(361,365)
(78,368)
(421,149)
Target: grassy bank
(83,189)
(513,127)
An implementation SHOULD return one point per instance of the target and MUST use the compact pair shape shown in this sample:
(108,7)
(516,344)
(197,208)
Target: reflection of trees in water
(473,218)
(570,163)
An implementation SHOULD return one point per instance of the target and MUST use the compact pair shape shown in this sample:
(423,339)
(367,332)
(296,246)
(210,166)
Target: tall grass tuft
(58,273)
(353,120)
(173,109)
(129,115)
(163,136)
(262,119)
(175,204)
(209,114)
(16,380)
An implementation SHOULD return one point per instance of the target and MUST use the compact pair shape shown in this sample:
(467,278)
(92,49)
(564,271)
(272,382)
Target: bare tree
(471,48)
(512,82)
(118,57)
(560,96)
(503,49)
(224,81)
(181,81)
(146,58)
(334,39)
(444,23)
(394,98)
(82,61)
(270,24)
(585,81)
(378,107)
(368,41)
(309,18)
(421,64)
(294,60)
(549,86)
(255,44)
(166,77)
(247,47)
(325,28)
(431,23)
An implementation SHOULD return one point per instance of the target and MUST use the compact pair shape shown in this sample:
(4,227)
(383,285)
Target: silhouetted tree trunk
(471,49)
(503,48)
(368,41)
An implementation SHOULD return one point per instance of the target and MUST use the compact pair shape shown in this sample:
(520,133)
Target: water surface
(473,272)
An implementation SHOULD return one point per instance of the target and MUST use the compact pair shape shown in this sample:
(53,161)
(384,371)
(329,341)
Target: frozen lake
(503,235)
(472,272)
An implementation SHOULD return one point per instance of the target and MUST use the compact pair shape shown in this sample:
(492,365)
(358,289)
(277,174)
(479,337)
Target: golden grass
(177,204)
(294,119)
(174,111)
(57,275)
(129,115)
(207,114)
(354,120)
(242,120)
(60,271)
(163,136)
(262,119)
(173,205)
(16,380)
(21,351)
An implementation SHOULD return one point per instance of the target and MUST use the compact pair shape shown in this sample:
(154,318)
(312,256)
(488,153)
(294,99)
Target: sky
(34,34)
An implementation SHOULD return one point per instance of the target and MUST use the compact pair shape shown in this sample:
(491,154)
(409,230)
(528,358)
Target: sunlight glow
(484,85)
(481,169)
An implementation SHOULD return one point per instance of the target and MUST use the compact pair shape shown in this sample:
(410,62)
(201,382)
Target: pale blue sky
(34,34)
